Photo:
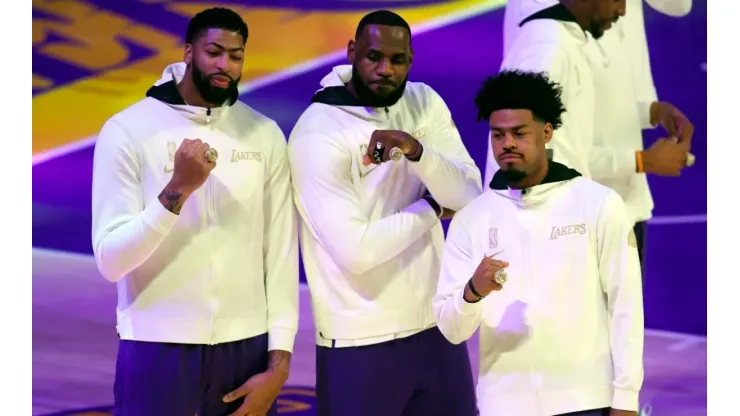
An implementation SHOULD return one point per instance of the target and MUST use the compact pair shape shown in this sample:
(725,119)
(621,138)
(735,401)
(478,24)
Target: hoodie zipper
(387,113)
(209,222)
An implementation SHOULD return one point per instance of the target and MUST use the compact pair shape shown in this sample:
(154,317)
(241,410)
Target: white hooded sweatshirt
(371,247)
(565,333)
(225,268)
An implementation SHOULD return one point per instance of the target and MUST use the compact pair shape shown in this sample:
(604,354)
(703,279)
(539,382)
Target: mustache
(222,74)
(384,82)
(509,152)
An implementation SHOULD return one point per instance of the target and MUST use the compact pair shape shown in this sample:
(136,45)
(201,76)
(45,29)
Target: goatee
(369,98)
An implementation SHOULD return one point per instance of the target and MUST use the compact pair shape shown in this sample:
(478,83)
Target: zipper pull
(387,112)
(208,116)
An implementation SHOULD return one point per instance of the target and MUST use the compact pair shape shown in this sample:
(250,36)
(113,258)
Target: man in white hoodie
(376,162)
(546,265)
(204,252)
(625,102)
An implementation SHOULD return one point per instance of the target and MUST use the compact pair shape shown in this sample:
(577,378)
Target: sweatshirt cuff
(627,162)
(466,308)
(643,107)
(626,400)
(428,162)
(280,339)
(158,217)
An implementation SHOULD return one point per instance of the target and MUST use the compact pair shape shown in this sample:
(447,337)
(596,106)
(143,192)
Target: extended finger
(240,391)
(496,263)
(685,131)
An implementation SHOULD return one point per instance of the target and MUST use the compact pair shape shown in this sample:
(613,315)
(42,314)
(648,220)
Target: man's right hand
(666,157)
(483,277)
(191,168)
(190,172)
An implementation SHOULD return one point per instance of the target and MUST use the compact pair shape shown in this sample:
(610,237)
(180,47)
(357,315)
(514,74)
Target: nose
(509,142)
(222,62)
(622,9)
(385,69)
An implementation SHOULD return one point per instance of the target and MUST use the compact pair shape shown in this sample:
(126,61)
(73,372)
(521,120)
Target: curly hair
(216,18)
(519,90)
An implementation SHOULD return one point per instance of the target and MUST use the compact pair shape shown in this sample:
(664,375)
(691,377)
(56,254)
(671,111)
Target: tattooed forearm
(278,360)
(172,200)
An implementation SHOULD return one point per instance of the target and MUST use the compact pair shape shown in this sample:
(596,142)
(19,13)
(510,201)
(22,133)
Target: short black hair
(216,18)
(382,17)
(519,90)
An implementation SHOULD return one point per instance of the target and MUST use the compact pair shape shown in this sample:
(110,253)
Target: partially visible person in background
(625,103)
(205,256)
(555,40)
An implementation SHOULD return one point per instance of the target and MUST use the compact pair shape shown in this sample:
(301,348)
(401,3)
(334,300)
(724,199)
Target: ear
(548,132)
(411,56)
(188,55)
(351,51)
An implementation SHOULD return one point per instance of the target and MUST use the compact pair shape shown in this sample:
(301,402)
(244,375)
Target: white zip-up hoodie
(371,247)
(565,333)
(226,268)
(619,121)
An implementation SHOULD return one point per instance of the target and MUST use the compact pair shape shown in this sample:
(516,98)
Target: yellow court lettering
(95,36)
(93,44)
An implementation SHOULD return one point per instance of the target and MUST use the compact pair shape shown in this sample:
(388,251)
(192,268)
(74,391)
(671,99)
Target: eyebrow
(519,127)
(395,54)
(240,48)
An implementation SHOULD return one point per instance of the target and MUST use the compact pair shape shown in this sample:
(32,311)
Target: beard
(210,93)
(596,30)
(512,176)
(371,99)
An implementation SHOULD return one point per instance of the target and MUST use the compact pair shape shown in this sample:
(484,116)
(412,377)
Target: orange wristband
(638,161)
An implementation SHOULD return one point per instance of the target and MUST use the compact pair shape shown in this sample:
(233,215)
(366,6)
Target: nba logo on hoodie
(492,237)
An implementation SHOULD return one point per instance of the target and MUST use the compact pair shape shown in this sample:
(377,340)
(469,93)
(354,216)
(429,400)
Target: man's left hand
(260,390)
(617,412)
(673,120)
(385,141)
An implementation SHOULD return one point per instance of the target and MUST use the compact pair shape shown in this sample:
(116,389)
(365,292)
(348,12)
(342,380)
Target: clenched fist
(483,278)
(388,145)
(190,172)
(192,167)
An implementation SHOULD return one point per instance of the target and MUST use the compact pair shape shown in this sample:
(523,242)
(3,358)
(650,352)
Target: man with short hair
(205,257)
(546,265)
(376,162)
